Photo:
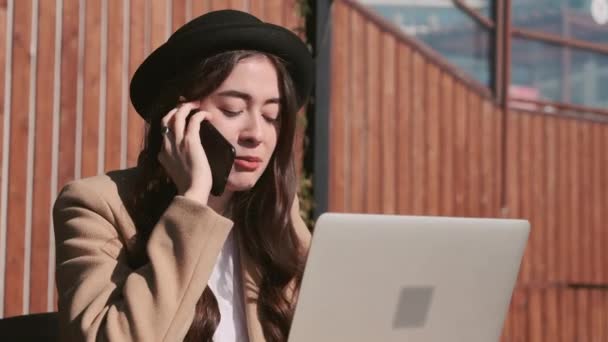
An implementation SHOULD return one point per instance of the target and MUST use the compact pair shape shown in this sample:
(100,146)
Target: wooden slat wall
(410,136)
(399,125)
(64,72)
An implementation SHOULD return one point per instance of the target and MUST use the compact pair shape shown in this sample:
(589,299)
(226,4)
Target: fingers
(192,131)
(179,122)
(168,141)
(182,154)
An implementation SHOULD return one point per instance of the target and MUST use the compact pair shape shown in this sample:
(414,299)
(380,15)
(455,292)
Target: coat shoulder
(104,194)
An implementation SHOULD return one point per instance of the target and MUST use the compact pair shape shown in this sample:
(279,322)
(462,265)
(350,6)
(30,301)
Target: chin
(242,184)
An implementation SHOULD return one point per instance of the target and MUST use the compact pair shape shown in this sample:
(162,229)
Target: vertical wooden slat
(574,250)
(273,12)
(535,316)
(199,7)
(159,32)
(498,160)
(564,223)
(604,318)
(551,315)
(473,156)
(526,191)
(20,93)
(604,204)
(5,19)
(460,148)
(237,4)
(487,142)
(337,160)
(404,136)
(256,7)
(583,318)
(69,92)
(387,119)
(550,177)
(567,316)
(603,304)
(215,5)
(373,198)
(585,197)
(135,124)
(347,109)
(3,74)
(599,189)
(90,118)
(447,122)
(358,99)
(293,19)
(178,14)
(520,315)
(114,86)
(42,156)
(419,184)
(538,173)
(433,140)
(596,315)
(513,181)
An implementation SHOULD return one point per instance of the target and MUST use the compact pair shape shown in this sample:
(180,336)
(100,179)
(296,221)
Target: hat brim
(175,55)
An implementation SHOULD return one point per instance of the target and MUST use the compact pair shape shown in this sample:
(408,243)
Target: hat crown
(213,33)
(215,19)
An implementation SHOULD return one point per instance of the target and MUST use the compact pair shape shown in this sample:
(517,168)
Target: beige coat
(101,298)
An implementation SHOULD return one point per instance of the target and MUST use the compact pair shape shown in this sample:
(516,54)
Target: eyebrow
(244,96)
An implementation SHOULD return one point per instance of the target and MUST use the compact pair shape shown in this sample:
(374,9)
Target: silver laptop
(405,278)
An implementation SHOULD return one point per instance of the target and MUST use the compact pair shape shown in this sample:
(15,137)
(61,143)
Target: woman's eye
(231,112)
(271,119)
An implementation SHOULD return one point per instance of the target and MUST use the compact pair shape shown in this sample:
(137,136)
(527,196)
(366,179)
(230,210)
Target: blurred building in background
(542,68)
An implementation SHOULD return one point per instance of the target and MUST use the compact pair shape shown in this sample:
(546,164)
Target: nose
(252,132)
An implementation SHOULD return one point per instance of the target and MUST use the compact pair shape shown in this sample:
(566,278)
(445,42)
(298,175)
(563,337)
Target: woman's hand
(182,154)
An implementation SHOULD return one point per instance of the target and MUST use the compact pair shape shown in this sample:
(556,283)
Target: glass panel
(579,19)
(543,71)
(446,29)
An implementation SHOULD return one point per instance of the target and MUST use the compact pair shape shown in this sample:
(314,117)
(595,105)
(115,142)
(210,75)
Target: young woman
(147,254)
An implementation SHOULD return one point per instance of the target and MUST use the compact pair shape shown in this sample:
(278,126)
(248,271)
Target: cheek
(229,129)
(273,135)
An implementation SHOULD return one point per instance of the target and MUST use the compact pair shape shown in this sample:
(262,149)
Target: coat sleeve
(101,298)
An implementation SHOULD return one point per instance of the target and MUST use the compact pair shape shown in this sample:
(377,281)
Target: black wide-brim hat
(213,33)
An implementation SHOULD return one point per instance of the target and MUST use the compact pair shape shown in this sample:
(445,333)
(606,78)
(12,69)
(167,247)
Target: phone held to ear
(220,154)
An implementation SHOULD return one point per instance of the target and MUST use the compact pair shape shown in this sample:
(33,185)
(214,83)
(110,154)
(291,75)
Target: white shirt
(226,285)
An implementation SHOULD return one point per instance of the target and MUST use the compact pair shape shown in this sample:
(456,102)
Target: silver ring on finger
(164,130)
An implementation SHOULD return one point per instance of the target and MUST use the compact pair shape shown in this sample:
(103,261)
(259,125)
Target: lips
(247,163)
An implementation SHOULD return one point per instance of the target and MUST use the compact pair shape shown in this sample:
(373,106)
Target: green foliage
(307,203)
(303,7)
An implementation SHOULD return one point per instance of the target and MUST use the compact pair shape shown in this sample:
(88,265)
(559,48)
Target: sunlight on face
(245,109)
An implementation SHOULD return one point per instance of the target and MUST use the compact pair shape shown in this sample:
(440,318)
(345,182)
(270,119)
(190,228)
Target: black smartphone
(220,154)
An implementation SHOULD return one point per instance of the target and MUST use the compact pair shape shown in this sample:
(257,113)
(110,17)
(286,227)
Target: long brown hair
(261,215)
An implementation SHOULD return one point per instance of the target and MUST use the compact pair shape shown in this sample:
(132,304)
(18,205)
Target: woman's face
(245,109)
